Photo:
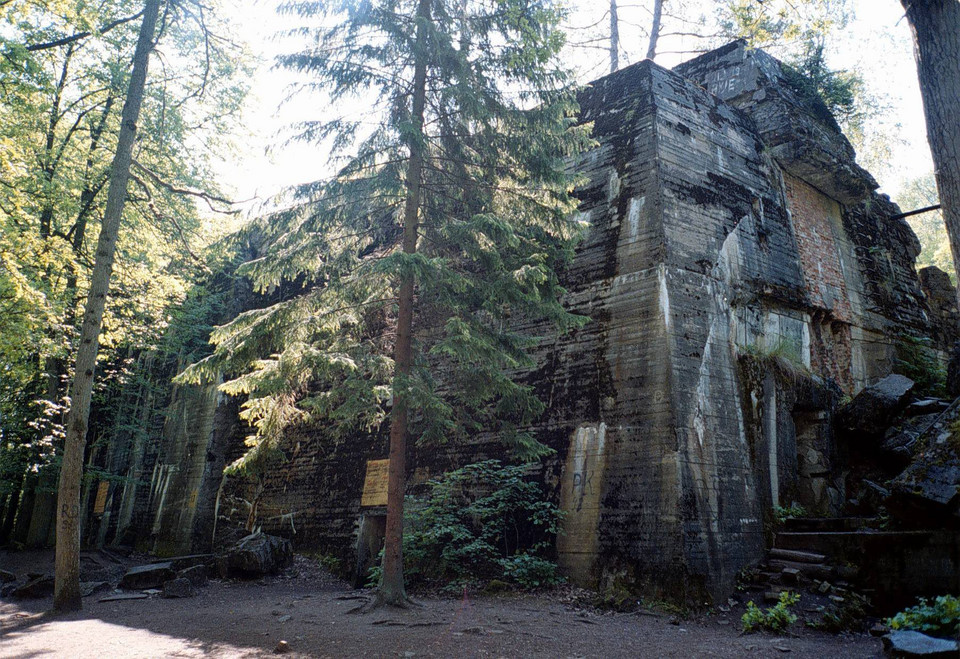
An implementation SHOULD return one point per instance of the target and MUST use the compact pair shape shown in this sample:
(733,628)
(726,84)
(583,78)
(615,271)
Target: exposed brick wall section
(815,217)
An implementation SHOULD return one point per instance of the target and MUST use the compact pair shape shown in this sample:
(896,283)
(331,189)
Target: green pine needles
(468,94)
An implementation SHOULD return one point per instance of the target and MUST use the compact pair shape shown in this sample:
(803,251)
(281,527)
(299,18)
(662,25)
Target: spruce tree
(414,263)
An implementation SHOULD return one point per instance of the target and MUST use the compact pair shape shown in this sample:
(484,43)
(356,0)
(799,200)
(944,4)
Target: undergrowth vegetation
(940,617)
(775,619)
(483,523)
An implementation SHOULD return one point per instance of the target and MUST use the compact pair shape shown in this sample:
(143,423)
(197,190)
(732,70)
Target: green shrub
(939,618)
(917,360)
(480,522)
(848,616)
(774,619)
(783,513)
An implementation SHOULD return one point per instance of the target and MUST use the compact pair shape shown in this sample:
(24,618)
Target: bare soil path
(311,611)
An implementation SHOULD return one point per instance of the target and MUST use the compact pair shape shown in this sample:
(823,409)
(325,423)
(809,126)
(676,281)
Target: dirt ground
(311,611)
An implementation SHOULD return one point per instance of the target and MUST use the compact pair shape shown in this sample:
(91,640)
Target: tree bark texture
(936,37)
(392,590)
(655,29)
(67,588)
(614,37)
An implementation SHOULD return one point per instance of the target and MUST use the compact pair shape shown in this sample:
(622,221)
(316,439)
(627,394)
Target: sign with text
(375,484)
(100,504)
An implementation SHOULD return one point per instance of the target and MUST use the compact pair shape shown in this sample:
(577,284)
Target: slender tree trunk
(614,37)
(655,29)
(67,588)
(936,38)
(392,590)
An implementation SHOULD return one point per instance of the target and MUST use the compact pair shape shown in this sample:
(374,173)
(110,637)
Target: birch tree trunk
(392,589)
(936,38)
(67,588)
(655,29)
(614,37)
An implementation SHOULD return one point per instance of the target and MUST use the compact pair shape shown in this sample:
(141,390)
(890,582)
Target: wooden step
(797,555)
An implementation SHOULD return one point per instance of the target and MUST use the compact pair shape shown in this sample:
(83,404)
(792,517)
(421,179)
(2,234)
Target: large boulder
(873,410)
(256,555)
(915,644)
(147,576)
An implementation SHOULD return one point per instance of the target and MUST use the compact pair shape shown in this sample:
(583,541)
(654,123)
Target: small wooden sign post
(100,504)
(375,484)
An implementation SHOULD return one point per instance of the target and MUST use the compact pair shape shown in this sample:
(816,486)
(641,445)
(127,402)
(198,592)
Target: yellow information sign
(375,484)
(101,502)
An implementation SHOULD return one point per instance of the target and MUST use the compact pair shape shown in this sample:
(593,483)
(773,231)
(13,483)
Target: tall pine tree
(448,223)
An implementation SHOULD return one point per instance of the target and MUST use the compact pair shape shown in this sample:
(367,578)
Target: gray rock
(147,576)
(7,577)
(872,411)
(37,586)
(257,555)
(196,575)
(178,588)
(927,406)
(915,644)
(88,588)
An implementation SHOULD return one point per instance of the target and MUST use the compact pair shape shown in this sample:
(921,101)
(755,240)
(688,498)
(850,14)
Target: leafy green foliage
(837,92)
(482,521)
(917,360)
(783,513)
(941,617)
(930,228)
(60,102)
(775,619)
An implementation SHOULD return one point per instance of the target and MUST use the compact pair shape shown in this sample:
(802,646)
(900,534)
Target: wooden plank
(375,484)
(100,504)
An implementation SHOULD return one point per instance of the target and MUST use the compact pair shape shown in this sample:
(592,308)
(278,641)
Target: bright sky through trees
(877,44)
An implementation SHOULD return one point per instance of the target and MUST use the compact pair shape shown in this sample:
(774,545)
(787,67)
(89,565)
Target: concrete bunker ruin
(741,274)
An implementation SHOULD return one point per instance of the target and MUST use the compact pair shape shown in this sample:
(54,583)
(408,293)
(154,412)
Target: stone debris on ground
(914,644)
(142,577)
(179,587)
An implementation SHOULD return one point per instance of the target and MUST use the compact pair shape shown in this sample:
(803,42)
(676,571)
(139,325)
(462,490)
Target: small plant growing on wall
(783,513)
(917,360)
(775,619)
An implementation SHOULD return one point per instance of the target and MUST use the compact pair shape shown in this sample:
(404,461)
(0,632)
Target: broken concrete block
(7,577)
(178,588)
(196,575)
(872,411)
(257,555)
(790,575)
(147,576)
(38,586)
(88,588)
(915,644)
